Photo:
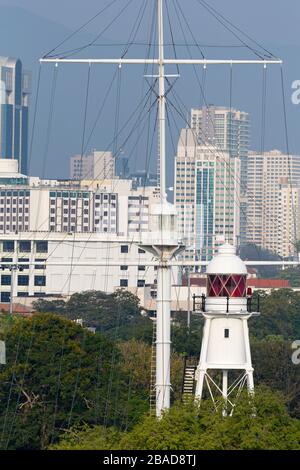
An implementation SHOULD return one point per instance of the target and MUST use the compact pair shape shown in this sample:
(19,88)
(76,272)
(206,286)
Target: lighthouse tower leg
(219,360)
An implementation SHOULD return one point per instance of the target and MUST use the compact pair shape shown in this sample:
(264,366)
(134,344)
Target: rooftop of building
(17,308)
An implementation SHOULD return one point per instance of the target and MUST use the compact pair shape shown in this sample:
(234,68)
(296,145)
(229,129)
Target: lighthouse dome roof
(226,262)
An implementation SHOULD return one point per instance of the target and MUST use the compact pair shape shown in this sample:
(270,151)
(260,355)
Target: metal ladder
(152,394)
(188,383)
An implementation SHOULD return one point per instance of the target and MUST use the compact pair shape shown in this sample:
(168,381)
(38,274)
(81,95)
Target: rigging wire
(12,381)
(135,28)
(222,21)
(151,33)
(228,173)
(263,111)
(208,6)
(48,131)
(80,28)
(37,93)
(77,377)
(172,37)
(189,28)
(72,52)
(85,116)
(22,381)
(287,144)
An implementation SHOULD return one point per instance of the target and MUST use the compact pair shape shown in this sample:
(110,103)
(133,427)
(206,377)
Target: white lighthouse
(225,345)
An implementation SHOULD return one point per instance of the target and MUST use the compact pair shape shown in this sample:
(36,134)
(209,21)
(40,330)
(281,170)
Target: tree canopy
(116,314)
(59,374)
(258,423)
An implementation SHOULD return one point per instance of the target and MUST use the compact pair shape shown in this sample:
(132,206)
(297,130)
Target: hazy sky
(273,23)
(277,19)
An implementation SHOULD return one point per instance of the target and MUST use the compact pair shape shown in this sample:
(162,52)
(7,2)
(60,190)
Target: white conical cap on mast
(163,224)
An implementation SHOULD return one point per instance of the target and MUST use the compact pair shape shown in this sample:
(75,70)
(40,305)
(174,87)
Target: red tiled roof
(258,283)
(17,308)
(268,283)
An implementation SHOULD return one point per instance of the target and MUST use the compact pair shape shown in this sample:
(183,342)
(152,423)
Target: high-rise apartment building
(225,128)
(14,101)
(288,219)
(207,196)
(99,165)
(228,130)
(272,204)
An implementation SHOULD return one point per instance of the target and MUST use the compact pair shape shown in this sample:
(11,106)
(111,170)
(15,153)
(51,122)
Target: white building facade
(66,223)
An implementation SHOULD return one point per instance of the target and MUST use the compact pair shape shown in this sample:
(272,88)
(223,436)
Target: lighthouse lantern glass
(226,285)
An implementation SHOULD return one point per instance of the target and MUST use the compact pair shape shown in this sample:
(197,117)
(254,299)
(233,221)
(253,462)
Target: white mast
(162,101)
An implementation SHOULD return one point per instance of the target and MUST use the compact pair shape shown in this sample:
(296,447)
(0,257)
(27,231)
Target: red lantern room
(226,285)
(226,279)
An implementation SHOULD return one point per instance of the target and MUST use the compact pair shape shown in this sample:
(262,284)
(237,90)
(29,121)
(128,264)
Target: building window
(124,248)
(39,266)
(141,251)
(41,247)
(5,297)
(25,246)
(8,245)
(141,268)
(23,266)
(226,333)
(123,283)
(23,280)
(141,283)
(39,280)
(5,280)
(124,268)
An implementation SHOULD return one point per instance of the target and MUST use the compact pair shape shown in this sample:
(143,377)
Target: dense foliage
(261,423)
(292,275)
(279,315)
(58,374)
(117,314)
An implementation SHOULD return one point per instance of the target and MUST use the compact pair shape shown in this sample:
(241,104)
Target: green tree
(136,363)
(58,374)
(109,313)
(274,368)
(292,275)
(279,315)
(187,341)
(258,423)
